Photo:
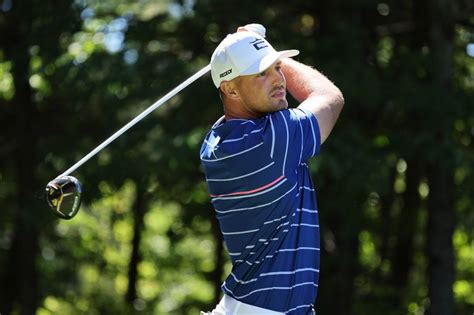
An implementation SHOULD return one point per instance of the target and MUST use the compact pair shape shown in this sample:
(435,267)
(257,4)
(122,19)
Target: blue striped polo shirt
(265,202)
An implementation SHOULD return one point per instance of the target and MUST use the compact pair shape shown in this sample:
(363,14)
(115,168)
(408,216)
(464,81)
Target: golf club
(63,193)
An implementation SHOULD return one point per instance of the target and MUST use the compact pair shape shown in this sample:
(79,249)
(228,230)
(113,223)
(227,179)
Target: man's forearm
(303,81)
(315,93)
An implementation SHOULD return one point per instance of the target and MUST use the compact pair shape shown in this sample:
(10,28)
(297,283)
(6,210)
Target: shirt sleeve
(295,136)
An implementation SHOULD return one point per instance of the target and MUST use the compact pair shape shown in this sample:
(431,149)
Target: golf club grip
(147,111)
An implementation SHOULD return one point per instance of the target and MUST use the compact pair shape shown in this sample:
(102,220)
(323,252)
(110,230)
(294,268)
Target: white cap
(244,53)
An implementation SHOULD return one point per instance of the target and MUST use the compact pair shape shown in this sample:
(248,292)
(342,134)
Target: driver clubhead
(63,195)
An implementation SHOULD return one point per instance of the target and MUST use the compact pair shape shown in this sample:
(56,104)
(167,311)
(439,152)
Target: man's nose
(277,76)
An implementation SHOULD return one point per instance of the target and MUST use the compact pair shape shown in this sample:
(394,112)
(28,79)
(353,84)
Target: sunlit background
(394,181)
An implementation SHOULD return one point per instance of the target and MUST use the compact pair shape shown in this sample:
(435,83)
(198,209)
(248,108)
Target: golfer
(255,162)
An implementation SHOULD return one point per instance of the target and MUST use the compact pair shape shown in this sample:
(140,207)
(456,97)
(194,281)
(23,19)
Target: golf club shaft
(152,107)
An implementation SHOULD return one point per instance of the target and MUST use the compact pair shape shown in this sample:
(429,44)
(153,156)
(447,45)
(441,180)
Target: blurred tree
(441,214)
(24,26)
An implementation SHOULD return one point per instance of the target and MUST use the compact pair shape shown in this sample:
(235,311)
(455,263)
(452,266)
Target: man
(254,159)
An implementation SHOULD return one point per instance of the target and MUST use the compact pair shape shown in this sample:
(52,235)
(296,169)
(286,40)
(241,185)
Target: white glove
(254,27)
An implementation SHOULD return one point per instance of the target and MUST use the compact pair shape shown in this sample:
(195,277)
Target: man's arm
(315,93)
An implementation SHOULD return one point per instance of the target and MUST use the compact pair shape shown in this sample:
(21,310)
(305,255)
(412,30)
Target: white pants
(230,306)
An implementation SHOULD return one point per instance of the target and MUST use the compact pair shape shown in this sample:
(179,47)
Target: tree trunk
(139,210)
(26,229)
(339,265)
(19,292)
(407,222)
(348,267)
(441,215)
(441,221)
(387,202)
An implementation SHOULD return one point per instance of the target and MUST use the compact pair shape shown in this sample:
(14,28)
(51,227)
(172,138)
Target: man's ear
(229,89)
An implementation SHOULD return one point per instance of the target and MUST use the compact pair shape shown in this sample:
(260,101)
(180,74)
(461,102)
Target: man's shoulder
(290,115)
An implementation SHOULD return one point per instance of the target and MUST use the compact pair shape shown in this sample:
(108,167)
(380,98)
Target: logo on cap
(223,74)
(259,43)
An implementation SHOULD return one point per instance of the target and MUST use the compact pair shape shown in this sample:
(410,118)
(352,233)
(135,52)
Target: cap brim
(268,60)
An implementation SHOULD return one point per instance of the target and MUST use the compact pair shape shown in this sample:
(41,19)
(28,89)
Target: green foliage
(6,82)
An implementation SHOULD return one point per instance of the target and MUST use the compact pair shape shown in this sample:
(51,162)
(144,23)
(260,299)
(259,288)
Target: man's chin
(277,106)
(282,104)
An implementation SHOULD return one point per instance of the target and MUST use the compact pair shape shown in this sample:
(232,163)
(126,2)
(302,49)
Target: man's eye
(262,74)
